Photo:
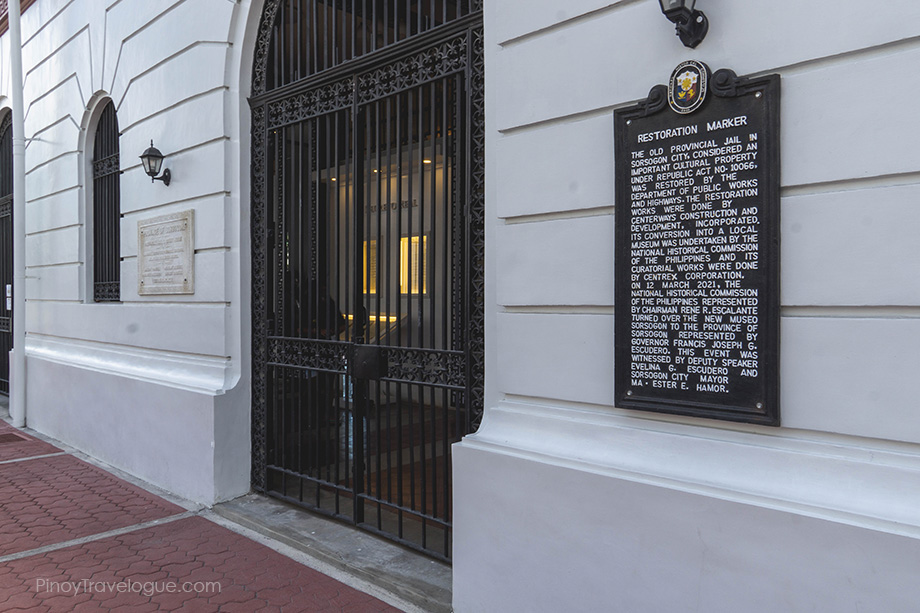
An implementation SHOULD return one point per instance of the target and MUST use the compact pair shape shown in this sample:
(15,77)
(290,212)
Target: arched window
(106,209)
(6,248)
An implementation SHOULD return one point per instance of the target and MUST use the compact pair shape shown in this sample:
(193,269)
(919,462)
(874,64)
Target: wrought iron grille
(106,209)
(6,250)
(311,36)
(367,244)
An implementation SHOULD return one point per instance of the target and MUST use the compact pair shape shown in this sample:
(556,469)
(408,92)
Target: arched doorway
(367,245)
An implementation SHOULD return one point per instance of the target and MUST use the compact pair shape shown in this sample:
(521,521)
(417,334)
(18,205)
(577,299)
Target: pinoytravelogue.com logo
(144,588)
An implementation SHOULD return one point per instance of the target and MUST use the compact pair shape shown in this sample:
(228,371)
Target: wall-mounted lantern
(152,160)
(692,25)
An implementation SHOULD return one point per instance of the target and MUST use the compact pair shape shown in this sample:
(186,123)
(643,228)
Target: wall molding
(859,482)
(194,373)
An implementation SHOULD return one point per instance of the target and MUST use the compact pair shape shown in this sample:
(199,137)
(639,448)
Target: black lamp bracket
(692,28)
(164,177)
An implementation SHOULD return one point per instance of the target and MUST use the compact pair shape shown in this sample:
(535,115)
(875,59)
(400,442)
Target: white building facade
(566,502)
(560,500)
(153,384)
(332,360)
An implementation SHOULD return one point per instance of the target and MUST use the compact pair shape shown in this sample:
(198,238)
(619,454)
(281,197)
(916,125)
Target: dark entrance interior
(367,258)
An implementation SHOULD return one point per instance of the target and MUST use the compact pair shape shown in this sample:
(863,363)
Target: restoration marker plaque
(166,254)
(697,247)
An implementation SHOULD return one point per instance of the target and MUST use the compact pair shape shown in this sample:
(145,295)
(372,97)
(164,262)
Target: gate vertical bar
(359,409)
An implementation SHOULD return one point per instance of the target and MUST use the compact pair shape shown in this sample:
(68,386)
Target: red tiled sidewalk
(229,572)
(187,564)
(15,444)
(51,500)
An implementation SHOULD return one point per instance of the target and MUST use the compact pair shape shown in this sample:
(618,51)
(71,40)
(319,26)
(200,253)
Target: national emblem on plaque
(687,87)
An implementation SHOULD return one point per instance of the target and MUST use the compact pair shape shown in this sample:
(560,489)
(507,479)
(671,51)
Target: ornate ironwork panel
(417,69)
(437,368)
(475,282)
(312,103)
(367,244)
(327,356)
(302,38)
(106,166)
(260,324)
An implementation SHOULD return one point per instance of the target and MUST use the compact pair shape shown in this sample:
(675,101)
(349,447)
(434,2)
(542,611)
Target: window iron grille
(6,250)
(106,209)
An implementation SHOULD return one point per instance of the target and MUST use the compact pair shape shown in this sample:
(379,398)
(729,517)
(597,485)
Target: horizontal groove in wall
(865,53)
(54,229)
(199,145)
(67,78)
(46,266)
(175,106)
(53,53)
(199,303)
(561,119)
(560,310)
(36,137)
(852,312)
(791,191)
(129,305)
(60,191)
(601,211)
(565,23)
(55,265)
(854,184)
(798,68)
(147,24)
(138,76)
(51,160)
(45,24)
(60,301)
(824,312)
(37,199)
(186,201)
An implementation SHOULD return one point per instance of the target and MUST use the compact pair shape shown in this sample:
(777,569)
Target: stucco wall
(847,456)
(171,367)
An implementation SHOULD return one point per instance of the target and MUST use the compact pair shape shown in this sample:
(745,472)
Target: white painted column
(18,357)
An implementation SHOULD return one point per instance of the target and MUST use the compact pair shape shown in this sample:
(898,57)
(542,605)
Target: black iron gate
(367,212)
(6,250)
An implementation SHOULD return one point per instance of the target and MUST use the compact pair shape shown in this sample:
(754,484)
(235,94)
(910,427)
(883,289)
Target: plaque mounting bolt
(629,392)
(759,405)
(758,94)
